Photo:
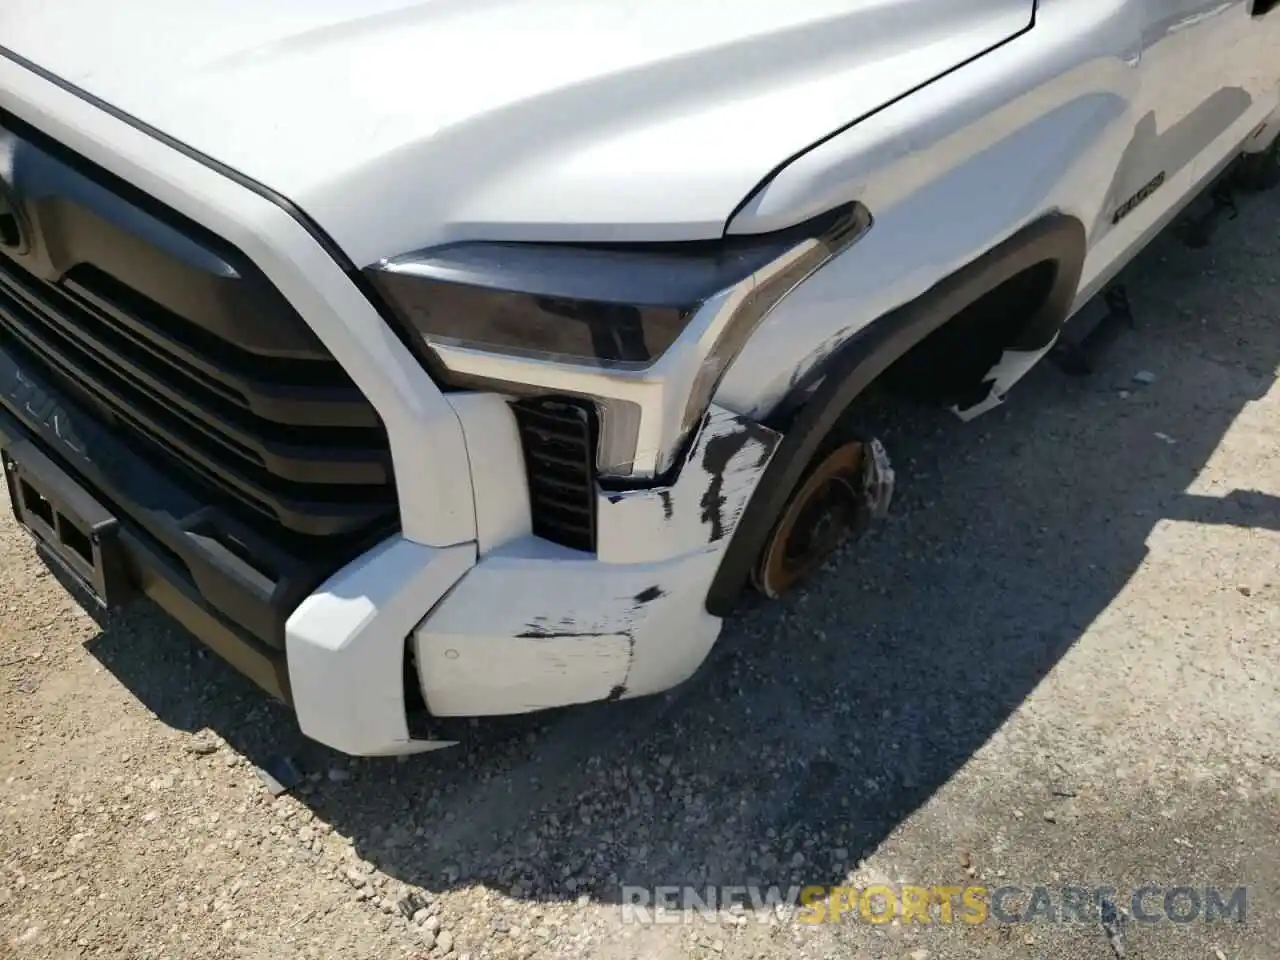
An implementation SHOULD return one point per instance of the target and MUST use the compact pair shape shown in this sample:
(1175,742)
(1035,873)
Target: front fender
(948,173)
(857,364)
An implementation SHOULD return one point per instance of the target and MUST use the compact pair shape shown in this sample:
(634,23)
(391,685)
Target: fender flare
(854,366)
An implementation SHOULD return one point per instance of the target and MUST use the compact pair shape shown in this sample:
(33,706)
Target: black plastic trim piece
(276,479)
(1056,238)
(558,437)
(99,219)
(64,328)
(78,532)
(90,224)
(153,572)
(248,579)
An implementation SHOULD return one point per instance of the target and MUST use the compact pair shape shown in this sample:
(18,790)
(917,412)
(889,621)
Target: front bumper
(512,623)
(534,625)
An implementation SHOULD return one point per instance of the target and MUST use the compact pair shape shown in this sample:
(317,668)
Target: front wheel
(848,483)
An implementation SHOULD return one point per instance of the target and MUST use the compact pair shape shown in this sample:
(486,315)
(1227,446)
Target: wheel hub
(827,505)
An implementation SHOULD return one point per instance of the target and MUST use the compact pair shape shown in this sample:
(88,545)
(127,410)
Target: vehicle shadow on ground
(822,722)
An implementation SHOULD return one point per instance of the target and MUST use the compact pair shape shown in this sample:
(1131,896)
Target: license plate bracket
(72,529)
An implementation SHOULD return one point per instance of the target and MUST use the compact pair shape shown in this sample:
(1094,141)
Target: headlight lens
(642,330)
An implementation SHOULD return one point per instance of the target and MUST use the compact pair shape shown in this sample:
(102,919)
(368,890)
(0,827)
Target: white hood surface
(398,124)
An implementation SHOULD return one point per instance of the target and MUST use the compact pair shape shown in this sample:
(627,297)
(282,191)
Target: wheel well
(1015,296)
(951,363)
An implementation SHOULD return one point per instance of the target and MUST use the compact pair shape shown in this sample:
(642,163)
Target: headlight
(644,331)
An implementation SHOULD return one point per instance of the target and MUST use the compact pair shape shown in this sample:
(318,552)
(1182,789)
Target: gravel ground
(1056,663)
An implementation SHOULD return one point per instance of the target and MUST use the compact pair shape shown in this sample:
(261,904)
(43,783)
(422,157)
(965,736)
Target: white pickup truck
(451,358)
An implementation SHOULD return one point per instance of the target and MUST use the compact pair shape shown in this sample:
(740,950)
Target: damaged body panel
(1071,119)
(1000,379)
(631,619)
(728,455)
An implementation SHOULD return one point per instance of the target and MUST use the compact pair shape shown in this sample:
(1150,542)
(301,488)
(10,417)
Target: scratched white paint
(463,650)
(627,622)
(1042,124)
(700,508)
(535,672)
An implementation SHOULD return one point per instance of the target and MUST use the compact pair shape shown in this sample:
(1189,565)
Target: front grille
(185,349)
(559,453)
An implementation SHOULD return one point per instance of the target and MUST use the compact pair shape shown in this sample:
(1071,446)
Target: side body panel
(1045,124)
(1209,76)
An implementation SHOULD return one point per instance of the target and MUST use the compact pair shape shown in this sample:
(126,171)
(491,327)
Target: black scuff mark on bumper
(648,595)
(536,628)
(530,635)
(719,453)
(542,633)
(718,456)
(620,690)
(668,509)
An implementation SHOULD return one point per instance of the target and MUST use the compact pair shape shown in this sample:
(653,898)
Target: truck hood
(397,124)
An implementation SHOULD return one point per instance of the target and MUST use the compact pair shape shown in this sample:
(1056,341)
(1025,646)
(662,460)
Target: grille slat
(87,347)
(286,392)
(552,460)
(568,488)
(576,511)
(148,338)
(559,451)
(270,501)
(182,347)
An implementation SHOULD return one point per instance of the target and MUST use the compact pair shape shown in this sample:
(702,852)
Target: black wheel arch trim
(852,368)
